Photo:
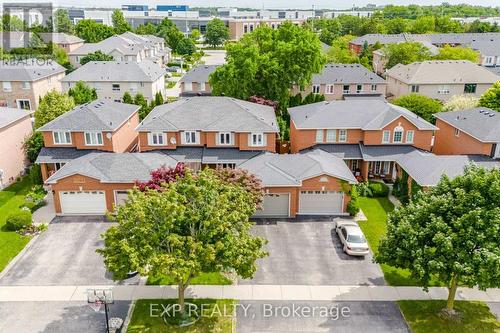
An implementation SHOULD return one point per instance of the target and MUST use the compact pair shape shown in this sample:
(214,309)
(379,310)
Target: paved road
(336,317)
(310,253)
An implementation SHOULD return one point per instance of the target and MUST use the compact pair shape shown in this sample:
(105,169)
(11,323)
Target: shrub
(36,175)
(378,189)
(364,190)
(353,205)
(18,220)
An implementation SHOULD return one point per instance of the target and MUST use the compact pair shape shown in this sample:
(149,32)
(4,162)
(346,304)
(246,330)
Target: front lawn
(423,317)
(203,278)
(11,199)
(217,316)
(376,210)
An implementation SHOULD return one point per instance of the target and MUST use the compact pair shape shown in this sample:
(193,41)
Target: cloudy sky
(339,4)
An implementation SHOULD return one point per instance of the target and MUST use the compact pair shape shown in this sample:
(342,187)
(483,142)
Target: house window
(386,137)
(7,86)
(256,139)
(457,132)
(24,104)
(444,89)
(354,165)
(377,167)
(202,86)
(156,139)
(245,28)
(374,87)
(319,135)
(359,88)
(415,88)
(488,60)
(61,138)
(226,165)
(26,85)
(345,89)
(398,134)
(190,137)
(329,89)
(386,167)
(58,165)
(315,89)
(331,135)
(116,87)
(409,136)
(225,138)
(470,88)
(342,135)
(93,138)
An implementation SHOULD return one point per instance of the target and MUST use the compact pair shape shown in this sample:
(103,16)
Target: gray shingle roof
(116,71)
(494,70)
(481,123)
(442,72)
(28,69)
(292,169)
(127,44)
(366,114)
(59,38)
(487,47)
(385,152)
(210,113)
(227,155)
(114,167)
(452,38)
(99,115)
(346,73)
(200,73)
(344,151)
(9,116)
(61,154)
(185,154)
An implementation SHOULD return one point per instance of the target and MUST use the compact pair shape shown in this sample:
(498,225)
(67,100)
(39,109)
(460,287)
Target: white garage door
(274,205)
(83,203)
(320,202)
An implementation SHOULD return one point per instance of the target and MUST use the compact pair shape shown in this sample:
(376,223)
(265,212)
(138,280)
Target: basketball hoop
(96,306)
(98,297)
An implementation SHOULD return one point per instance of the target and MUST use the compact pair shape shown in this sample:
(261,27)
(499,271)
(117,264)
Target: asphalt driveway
(341,317)
(63,255)
(309,253)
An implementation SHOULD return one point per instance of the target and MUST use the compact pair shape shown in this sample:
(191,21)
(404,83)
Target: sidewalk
(246,293)
(46,213)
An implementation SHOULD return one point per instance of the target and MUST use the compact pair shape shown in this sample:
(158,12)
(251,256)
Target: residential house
(128,47)
(15,127)
(96,126)
(368,133)
(240,26)
(439,79)
(112,79)
(23,39)
(489,51)
(468,132)
(24,82)
(196,81)
(67,42)
(339,80)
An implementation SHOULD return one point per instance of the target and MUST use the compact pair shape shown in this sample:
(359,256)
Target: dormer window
(93,138)
(225,138)
(62,138)
(398,134)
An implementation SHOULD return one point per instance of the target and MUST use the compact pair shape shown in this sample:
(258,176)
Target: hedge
(18,220)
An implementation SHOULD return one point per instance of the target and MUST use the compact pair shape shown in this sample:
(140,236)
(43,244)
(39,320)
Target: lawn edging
(18,256)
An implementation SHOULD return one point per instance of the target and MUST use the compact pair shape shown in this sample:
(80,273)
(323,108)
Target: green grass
(11,199)
(143,322)
(170,84)
(203,278)
(423,317)
(376,210)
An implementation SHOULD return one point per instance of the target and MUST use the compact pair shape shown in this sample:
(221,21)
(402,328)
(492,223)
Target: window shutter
(183,137)
(264,139)
(197,136)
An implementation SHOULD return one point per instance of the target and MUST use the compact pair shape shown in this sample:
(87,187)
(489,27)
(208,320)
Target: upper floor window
(226,165)
(470,88)
(329,89)
(61,138)
(415,88)
(409,136)
(26,85)
(256,139)
(345,89)
(444,89)
(342,135)
(488,60)
(7,86)
(331,135)
(457,132)
(319,135)
(315,89)
(374,87)
(225,138)
(191,137)
(386,136)
(398,134)
(93,138)
(116,87)
(202,86)
(359,88)
(156,139)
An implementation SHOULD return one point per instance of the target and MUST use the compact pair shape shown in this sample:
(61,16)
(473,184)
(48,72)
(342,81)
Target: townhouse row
(96,152)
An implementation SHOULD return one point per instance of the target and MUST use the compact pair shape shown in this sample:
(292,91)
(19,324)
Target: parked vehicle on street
(352,238)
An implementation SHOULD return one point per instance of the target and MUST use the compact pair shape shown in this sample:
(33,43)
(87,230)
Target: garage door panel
(83,203)
(274,205)
(320,202)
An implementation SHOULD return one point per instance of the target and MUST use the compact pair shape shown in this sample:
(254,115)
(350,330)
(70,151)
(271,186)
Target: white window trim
(444,89)
(388,140)
(63,135)
(343,133)
(333,138)
(457,132)
(4,83)
(18,102)
(316,88)
(348,89)
(257,144)
(373,87)
(219,142)
(394,135)
(329,89)
(91,133)
(320,137)
(158,134)
(24,87)
(412,132)
(196,137)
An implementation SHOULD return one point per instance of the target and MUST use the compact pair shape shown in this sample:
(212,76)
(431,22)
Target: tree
(445,24)
(460,102)
(340,53)
(405,53)
(92,32)
(421,105)
(51,106)
(168,30)
(330,31)
(82,93)
(217,33)
(268,62)
(143,103)
(119,23)
(96,56)
(62,22)
(127,98)
(491,97)
(60,56)
(397,26)
(12,23)
(32,146)
(423,24)
(197,223)
(146,29)
(185,47)
(457,53)
(450,232)
(195,34)
(158,99)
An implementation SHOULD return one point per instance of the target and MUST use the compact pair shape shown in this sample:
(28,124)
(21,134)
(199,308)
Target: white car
(353,241)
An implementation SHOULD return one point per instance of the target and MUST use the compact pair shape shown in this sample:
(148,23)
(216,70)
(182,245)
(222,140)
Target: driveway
(63,255)
(373,317)
(310,253)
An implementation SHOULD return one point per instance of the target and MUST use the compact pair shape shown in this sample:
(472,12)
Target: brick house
(196,81)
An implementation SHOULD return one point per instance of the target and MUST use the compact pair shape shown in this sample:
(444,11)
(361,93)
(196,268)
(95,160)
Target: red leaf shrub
(162,175)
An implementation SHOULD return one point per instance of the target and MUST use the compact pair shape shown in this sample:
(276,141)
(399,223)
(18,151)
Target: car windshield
(356,239)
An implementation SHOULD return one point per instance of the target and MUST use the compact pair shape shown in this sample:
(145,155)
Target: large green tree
(405,53)
(198,223)
(457,53)
(491,97)
(119,23)
(51,106)
(82,93)
(217,33)
(185,47)
(421,105)
(268,63)
(96,56)
(62,22)
(92,32)
(451,232)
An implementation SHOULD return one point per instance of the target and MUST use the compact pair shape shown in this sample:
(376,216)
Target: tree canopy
(119,23)
(96,56)
(460,102)
(451,232)
(457,53)
(51,106)
(82,93)
(217,33)
(491,97)
(421,105)
(405,53)
(92,32)
(62,22)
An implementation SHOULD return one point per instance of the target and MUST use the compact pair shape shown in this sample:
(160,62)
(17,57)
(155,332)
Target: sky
(338,4)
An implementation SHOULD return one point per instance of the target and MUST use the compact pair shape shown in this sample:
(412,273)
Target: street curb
(128,318)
